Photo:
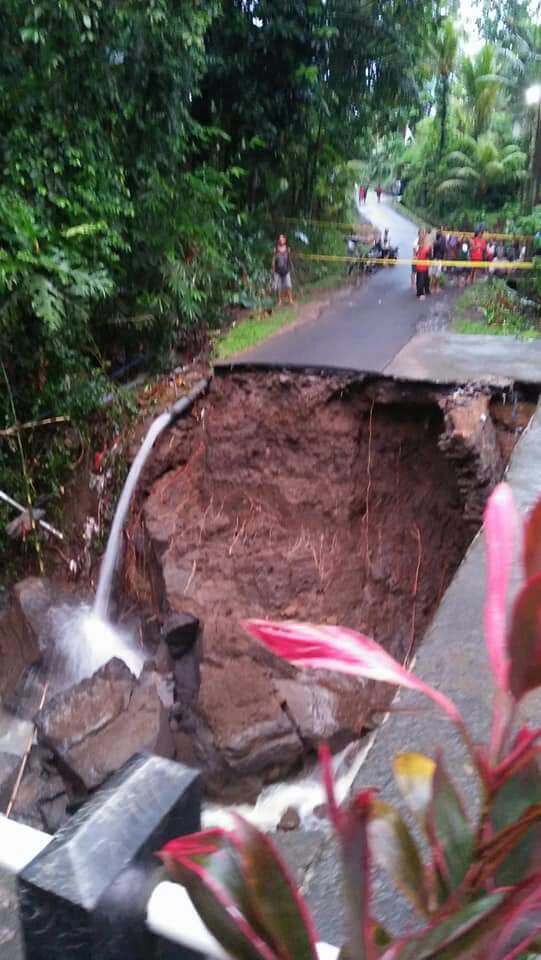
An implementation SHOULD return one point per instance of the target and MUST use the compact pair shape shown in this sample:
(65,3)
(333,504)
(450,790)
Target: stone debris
(97,725)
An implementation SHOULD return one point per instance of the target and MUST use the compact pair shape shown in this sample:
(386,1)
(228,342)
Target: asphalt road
(366,329)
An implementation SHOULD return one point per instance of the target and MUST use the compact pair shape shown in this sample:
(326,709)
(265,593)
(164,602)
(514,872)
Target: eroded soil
(295,496)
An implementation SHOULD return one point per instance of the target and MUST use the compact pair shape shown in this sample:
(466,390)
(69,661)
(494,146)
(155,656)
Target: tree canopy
(146,149)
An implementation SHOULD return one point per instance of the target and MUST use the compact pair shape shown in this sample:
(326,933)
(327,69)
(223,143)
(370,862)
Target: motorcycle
(377,253)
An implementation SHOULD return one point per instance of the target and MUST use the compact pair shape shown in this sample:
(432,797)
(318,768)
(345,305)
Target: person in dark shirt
(438,253)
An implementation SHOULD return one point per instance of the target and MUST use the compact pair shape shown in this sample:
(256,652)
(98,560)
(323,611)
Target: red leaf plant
(478,887)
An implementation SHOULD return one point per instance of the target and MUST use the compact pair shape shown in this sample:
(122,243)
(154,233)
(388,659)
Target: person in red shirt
(478,252)
(424,252)
(379,191)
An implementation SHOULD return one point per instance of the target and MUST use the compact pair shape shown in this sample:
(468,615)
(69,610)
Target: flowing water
(84,642)
(112,552)
(304,793)
(84,638)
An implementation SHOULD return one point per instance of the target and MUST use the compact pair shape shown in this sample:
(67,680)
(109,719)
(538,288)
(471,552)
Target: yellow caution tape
(302,221)
(458,264)
(488,234)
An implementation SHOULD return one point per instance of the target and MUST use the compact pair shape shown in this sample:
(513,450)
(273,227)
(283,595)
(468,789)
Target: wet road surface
(366,329)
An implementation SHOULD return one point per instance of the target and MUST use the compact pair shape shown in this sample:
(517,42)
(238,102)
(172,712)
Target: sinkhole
(330,498)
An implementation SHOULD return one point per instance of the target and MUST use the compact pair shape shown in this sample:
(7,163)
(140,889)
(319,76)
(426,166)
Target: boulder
(21,621)
(249,728)
(41,799)
(96,726)
(325,706)
(35,597)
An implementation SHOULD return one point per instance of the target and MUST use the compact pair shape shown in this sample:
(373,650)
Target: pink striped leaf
(273,896)
(500,524)
(345,651)
(524,640)
(207,865)
(531,554)
(325,766)
(356,860)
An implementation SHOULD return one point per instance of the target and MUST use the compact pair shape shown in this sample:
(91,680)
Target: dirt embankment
(304,497)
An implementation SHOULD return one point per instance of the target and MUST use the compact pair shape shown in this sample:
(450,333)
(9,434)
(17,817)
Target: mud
(290,495)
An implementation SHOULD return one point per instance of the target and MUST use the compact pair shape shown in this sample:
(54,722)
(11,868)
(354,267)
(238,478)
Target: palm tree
(524,67)
(481,166)
(440,59)
(482,81)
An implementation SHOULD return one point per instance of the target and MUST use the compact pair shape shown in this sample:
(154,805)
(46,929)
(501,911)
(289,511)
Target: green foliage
(496,309)
(483,82)
(483,170)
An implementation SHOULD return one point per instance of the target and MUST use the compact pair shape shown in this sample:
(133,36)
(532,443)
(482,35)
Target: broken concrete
(470,441)
(451,358)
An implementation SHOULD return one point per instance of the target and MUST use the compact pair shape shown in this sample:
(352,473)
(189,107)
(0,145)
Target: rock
(164,685)
(180,633)
(38,789)
(470,440)
(54,811)
(20,623)
(35,597)
(253,735)
(26,807)
(9,768)
(290,820)
(184,749)
(325,706)
(163,659)
(186,680)
(97,725)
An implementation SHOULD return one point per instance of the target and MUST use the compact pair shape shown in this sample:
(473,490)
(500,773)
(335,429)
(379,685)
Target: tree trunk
(536,156)
(443,115)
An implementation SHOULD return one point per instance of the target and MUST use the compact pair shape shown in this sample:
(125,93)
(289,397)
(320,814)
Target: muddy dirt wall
(300,497)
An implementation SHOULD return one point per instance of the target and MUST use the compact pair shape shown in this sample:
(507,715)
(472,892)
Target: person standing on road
(438,253)
(478,252)
(416,247)
(421,273)
(281,270)
(463,254)
(379,191)
(362,194)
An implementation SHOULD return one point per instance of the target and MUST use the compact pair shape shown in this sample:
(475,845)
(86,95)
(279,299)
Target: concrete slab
(459,358)
(452,658)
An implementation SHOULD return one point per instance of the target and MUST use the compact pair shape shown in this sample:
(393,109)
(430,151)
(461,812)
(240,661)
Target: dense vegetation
(475,155)
(149,151)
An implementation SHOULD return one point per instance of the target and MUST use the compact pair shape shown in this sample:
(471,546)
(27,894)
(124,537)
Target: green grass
(247,333)
(494,309)
(480,327)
